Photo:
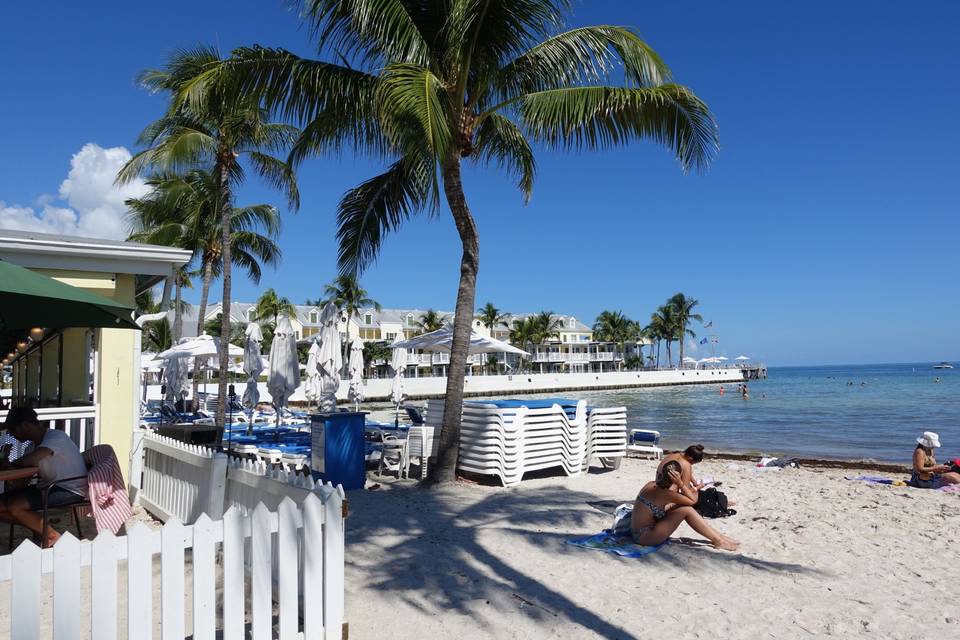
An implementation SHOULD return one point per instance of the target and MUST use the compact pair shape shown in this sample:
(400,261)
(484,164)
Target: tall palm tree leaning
(182,210)
(432,84)
(347,295)
(683,314)
(213,132)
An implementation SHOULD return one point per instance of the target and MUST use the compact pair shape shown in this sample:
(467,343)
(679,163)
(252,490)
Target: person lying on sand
(927,474)
(660,508)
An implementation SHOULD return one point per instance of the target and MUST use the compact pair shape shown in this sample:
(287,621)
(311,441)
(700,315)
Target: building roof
(51,251)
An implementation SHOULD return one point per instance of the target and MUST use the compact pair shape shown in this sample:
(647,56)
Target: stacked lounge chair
(508,438)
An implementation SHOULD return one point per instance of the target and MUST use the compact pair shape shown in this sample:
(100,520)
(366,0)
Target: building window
(368,318)
(313,317)
(573,323)
(391,335)
(410,319)
(251,314)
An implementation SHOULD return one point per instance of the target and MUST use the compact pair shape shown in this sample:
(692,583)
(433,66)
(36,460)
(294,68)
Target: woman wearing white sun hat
(927,474)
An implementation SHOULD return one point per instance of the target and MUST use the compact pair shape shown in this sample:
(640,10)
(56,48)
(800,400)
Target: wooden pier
(754,371)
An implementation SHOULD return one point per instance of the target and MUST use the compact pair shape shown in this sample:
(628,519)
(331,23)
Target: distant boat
(943,365)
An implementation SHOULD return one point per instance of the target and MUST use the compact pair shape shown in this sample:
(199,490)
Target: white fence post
(312,531)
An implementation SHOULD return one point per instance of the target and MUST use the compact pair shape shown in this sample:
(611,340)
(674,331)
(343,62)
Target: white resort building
(571,350)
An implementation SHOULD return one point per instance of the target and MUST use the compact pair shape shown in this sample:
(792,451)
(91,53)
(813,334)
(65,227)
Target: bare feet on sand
(726,544)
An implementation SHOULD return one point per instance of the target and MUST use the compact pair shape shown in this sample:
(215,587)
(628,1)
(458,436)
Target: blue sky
(825,232)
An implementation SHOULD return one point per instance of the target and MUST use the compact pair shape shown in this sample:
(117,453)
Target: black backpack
(713,504)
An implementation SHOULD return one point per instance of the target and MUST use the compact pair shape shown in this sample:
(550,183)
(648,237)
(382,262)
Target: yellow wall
(116,381)
(76,382)
(51,376)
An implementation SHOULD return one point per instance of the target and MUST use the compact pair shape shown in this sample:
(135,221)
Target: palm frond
(278,174)
(378,206)
(601,117)
(499,141)
(368,29)
(412,94)
(587,55)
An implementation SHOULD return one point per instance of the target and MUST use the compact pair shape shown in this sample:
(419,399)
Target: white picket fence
(179,480)
(295,572)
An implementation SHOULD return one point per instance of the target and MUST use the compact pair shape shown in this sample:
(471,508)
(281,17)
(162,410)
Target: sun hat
(929,439)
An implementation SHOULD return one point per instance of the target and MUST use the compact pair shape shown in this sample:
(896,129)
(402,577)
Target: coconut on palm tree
(230,134)
(434,85)
(683,313)
(347,295)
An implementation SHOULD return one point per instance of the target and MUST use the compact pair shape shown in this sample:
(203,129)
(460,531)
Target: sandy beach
(821,556)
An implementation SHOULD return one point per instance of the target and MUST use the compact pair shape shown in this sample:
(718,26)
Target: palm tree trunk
(669,355)
(683,337)
(178,311)
(446,468)
(226,158)
(201,314)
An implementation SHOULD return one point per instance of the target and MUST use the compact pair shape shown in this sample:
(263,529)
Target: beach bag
(955,465)
(713,504)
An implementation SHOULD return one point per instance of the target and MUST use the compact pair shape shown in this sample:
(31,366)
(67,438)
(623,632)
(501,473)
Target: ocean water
(807,412)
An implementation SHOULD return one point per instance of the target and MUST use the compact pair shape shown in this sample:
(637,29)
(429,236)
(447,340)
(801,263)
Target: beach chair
(415,415)
(392,456)
(645,441)
(420,446)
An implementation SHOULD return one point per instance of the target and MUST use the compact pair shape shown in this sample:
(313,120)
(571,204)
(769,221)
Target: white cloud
(94,204)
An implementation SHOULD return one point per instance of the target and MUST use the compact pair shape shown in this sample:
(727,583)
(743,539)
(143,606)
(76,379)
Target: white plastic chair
(645,441)
(419,446)
(392,457)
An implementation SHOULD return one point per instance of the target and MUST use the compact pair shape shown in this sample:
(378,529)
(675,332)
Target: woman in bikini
(927,473)
(665,503)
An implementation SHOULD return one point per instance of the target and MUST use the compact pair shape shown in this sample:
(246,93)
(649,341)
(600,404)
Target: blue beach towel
(620,544)
(871,479)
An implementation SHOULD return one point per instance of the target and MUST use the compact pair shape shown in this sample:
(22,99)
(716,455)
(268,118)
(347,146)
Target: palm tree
(157,335)
(428,321)
(347,295)
(683,313)
(270,307)
(522,334)
(434,84)
(659,329)
(490,316)
(182,210)
(546,326)
(214,131)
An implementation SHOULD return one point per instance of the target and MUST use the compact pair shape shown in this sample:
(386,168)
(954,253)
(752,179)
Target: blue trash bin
(337,448)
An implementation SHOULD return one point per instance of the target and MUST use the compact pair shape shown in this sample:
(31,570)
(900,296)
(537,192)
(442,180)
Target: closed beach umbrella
(330,357)
(355,368)
(399,365)
(175,378)
(284,374)
(311,388)
(252,366)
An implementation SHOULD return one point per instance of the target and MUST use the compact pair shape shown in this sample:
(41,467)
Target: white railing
(250,482)
(179,480)
(602,356)
(301,546)
(78,422)
(172,479)
(568,357)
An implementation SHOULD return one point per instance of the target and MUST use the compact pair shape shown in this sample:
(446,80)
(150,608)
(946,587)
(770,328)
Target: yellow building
(85,380)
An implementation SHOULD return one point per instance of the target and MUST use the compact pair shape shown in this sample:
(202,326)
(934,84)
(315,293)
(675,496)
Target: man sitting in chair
(56,458)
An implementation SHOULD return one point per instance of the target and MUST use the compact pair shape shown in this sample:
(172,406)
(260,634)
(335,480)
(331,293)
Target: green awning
(29,299)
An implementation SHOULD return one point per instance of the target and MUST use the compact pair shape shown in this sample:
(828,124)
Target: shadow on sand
(436,560)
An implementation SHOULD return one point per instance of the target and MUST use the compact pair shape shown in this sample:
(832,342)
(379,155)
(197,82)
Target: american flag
(708,325)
